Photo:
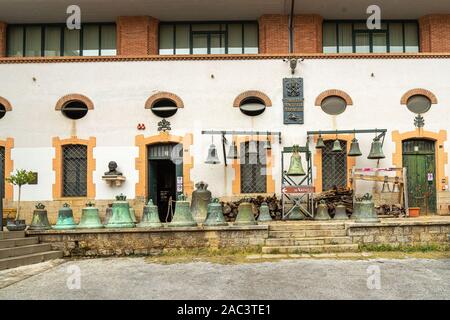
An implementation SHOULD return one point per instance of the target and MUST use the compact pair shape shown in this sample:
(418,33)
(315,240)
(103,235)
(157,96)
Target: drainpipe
(291,31)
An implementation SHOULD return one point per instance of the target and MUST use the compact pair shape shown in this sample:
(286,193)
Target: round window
(75,109)
(418,104)
(2,111)
(252,106)
(333,105)
(164,108)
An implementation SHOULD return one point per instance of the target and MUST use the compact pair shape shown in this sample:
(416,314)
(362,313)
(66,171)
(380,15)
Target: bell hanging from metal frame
(376,150)
(385,188)
(336,146)
(252,148)
(320,144)
(213,158)
(340,213)
(245,214)
(233,152)
(150,216)
(355,151)
(268,145)
(264,213)
(65,218)
(182,216)
(90,218)
(201,197)
(296,167)
(215,214)
(396,186)
(322,212)
(121,215)
(40,218)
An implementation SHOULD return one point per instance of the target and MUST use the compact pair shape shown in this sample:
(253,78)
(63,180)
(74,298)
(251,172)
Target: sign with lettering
(293,101)
(298,189)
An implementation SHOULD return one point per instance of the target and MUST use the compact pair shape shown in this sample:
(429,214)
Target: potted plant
(414,212)
(20,178)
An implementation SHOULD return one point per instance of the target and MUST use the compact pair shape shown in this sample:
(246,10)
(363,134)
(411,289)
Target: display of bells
(65,219)
(150,216)
(355,151)
(322,212)
(40,218)
(121,216)
(201,197)
(90,218)
(182,216)
(245,214)
(264,213)
(296,167)
(213,157)
(215,214)
(376,150)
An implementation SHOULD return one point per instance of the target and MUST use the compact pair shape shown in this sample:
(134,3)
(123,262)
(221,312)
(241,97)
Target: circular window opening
(252,106)
(418,104)
(164,108)
(75,110)
(2,111)
(333,105)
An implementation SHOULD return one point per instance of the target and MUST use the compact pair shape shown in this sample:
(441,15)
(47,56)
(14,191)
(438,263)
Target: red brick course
(435,33)
(137,36)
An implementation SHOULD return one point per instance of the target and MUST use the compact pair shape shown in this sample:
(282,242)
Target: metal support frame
(246,133)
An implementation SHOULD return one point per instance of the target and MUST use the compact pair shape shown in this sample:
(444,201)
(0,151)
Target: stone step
(308,233)
(24,250)
(12,235)
(13,262)
(311,248)
(306,226)
(307,241)
(9,243)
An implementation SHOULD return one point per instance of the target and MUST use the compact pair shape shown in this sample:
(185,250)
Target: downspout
(291,31)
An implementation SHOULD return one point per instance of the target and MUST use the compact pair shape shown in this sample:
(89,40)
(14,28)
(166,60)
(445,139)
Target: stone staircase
(16,250)
(308,237)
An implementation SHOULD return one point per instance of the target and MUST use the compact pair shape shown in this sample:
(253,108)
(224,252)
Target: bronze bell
(336,146)
(386,187)
(340,213)
(215,215)
(396,187)
(268,145)
(376,150)
(320,144)
(121,216)
(364,209)
(295,167)
(295,214)
(233,152)
(182,216)
(245,214)
(150,216)
(264,213)
(65,219)
(90,219)
(40,218)
(201,197)
(354,149)
(213,158)
(322,212)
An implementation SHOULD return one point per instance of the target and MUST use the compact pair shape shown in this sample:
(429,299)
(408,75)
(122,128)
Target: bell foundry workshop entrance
(420,162)
(165,177)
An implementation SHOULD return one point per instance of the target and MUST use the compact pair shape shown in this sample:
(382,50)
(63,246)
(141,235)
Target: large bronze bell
(121,216)
(65,219)
(264,213)
(296,167)
(201,198)
(354,149)
(150,216)
(213,158)
(340,213)
(90,218)
(364,211)
(376,150)
(40,218)
(182,216)
(322,212)
(245,214)
(215,214)
(336,146)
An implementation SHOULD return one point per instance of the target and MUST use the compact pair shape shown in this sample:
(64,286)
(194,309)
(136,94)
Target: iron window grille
(253,169)
(2,172)
(74,170)
(334,166)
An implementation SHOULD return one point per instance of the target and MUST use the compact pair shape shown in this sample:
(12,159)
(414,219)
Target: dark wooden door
(420,162)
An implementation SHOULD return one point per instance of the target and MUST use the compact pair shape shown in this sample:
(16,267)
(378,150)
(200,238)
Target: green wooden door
(420,162)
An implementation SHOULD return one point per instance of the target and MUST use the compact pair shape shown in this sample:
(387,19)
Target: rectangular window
(74,174)
(54,40)
(253,169)
(355,37)
(208,38)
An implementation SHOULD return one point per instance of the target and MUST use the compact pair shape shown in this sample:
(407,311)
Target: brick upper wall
(274,33)
(2,39)
(435,33)
(137,36)
(308,33)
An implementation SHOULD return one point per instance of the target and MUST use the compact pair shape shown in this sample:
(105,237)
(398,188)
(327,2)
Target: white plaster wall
(119,91)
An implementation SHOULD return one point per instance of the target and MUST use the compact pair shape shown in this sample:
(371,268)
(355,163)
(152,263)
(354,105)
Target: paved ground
(134,278)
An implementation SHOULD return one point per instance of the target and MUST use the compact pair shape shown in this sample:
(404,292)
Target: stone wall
(142,241)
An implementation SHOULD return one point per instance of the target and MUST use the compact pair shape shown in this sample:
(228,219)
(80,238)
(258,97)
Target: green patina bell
(245,214)
(65,219)
(264,213)
(201,198)
(215,214)
(320,144)
(341,212)
(322,212)
(295,214)
(40,218)
(90,218)
(150,217)
(354,149)
(121,217)
(364,211)
(182,216)
(296,167)
(376,150)
(336,146)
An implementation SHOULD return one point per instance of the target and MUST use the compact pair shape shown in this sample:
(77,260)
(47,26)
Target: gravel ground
(134,278)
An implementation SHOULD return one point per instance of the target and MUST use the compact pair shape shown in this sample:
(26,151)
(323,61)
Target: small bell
(295,167)
(268,144)
(320,144)
(376,151)
(252,148)
(213,158)
(264,213)
(354,149)
(386,187)
(336,146)
(396,187)
(233,153)
(341,212)
(322,212)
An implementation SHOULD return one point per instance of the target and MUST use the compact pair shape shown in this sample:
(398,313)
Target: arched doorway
(334,166)
(419,159)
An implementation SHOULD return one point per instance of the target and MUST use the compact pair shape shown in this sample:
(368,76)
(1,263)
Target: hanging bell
(245,214)
(322,212)
(364,209)
(182,216)
(268,144)
(295,167)
(264,213)
(215,214)
(354,149)
(385,188)
(252,148)
(121,216)
(396,187)
(201,198)
(320,144)
(336,146)
(65,219)
(213,158)
(295,214)
(90,218)
(150,216)
(233,153)
(40,218)
(376,150)
(340,213)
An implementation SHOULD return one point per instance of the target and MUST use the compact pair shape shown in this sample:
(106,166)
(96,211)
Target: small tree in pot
(20,178)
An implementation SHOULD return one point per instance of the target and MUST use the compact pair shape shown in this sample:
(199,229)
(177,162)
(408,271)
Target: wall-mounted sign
(293,101)
(179,184)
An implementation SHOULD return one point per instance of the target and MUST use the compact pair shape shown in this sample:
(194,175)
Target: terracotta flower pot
(414,212)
